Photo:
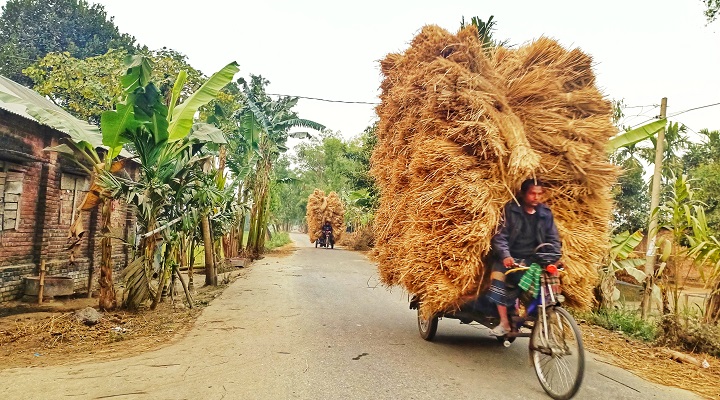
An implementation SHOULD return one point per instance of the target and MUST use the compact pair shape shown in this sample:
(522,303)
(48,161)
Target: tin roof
(27,103)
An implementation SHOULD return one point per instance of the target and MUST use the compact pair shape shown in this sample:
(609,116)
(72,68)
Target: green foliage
(691,334)
(87,87)
(279,239)
(176,182)
(712,9)
(30,29)
(623,320)
(264,127)
(621,247)
(485,31)
(631,198)
(635,135)
(702,163)
(184,114)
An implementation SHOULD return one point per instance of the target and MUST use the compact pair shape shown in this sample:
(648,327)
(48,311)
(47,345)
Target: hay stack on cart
(321,208)
(460,128)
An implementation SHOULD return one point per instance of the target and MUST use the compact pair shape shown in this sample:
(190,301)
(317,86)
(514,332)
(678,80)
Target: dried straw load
(460,128)
(321,208)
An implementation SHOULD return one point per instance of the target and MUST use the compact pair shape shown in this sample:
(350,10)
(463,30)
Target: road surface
(316,325)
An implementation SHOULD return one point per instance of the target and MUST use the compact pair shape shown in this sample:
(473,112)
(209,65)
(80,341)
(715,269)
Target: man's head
(531,192)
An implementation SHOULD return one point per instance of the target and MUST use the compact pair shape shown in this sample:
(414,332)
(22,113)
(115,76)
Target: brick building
(39,194)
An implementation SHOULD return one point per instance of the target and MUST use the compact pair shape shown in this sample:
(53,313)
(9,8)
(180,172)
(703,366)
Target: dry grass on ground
(651,363)
(51,335)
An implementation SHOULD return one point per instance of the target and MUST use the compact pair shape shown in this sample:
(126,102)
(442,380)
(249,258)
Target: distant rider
(525,226)
(328,228)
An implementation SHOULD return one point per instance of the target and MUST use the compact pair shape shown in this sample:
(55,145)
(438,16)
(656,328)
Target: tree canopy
(87,87)
(30,29)
(712,9)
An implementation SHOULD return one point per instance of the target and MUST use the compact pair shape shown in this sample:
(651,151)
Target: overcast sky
(643,49)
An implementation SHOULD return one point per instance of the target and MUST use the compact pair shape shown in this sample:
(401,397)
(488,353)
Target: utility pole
(653,226)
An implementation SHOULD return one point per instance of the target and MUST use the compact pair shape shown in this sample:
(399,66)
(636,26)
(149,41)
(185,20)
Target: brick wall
(46,212)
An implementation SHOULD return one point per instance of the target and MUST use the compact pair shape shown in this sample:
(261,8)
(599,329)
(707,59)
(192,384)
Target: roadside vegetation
(217,180)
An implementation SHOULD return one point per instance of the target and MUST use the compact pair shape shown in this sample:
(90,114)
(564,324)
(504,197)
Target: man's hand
(508,262)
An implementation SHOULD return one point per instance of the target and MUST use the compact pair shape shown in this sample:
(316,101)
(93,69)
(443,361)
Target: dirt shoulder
(653,363)
(34,335)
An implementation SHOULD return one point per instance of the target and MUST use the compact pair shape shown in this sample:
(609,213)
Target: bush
(625,321)
(278,239)
(691,335)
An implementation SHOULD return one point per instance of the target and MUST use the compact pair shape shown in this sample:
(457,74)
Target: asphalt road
(316,325)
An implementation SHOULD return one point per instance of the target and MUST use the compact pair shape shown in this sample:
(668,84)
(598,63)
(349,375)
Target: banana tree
(159,135)
(622,246)
(271,122)
(678,216)
(705,252)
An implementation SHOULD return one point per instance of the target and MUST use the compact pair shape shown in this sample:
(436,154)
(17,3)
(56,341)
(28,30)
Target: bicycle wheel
(557,353)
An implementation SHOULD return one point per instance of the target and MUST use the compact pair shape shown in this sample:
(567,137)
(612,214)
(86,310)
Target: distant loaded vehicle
(326,239)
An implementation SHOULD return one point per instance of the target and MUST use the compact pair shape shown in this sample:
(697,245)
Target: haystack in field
(460,128)
(321,208)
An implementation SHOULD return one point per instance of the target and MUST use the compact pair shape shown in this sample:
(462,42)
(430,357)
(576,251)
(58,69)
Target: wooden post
(42,282)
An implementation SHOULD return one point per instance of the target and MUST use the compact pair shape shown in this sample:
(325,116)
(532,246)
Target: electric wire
(326,100)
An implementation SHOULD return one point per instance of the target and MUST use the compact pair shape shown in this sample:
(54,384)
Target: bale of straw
(322,208)
(460,128)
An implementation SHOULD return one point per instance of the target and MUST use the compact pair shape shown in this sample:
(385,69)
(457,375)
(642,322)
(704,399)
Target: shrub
(625,321)
(278,239)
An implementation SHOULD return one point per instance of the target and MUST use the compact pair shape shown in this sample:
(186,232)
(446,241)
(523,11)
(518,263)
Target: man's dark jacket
(512,226)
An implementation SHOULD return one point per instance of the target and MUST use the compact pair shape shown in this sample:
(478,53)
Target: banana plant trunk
(712,307)
(264,232)
(108,298)
(210,273)
(162,279)
(191,263)
(242,200)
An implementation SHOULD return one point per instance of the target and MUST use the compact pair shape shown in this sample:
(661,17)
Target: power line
(648,105)
(694,108)
(677,113)
(644,122)
(327,100)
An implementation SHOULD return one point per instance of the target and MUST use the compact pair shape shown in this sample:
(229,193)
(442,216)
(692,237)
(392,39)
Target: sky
(643,49)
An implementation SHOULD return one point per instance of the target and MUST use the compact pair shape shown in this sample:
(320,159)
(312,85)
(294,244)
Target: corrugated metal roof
(27,103)
(28,95)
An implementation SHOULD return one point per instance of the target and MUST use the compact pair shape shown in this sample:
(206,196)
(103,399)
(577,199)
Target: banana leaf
(635,135)
(182,117)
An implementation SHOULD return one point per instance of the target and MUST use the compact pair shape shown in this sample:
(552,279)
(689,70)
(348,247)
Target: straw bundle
(321,208)
(459,129)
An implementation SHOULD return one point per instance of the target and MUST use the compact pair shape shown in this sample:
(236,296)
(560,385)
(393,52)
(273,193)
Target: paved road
(315,325)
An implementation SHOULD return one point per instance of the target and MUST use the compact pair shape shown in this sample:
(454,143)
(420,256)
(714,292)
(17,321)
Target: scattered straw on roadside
(652,363)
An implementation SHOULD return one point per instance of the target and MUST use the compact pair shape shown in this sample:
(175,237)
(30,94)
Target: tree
(485,31)
(631,198)
(712,9)
(164,138)
(702,163)
(269,123)
(30,29)
(87,87)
